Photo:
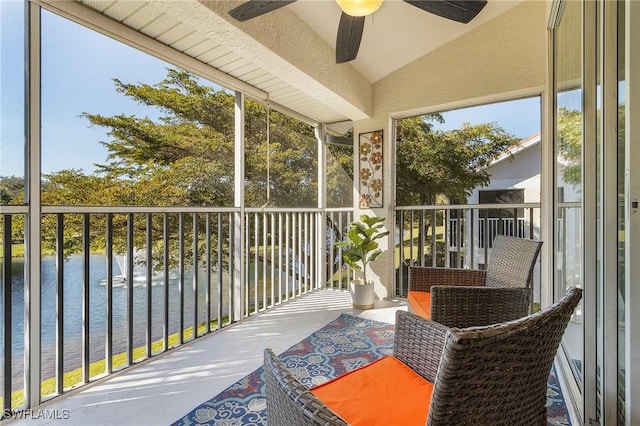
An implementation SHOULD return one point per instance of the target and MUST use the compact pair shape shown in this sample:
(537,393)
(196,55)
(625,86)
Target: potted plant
(360,249)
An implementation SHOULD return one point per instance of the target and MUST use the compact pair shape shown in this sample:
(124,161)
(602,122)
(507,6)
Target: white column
(321,221)
(238,202)
(33,227)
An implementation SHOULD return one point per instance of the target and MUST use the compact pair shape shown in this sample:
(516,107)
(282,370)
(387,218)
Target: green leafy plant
(361,246)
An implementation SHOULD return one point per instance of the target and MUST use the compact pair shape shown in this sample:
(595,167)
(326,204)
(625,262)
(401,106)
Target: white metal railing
(458,236)
(122,284)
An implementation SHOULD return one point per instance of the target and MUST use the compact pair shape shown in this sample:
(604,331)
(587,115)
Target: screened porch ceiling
(288,55)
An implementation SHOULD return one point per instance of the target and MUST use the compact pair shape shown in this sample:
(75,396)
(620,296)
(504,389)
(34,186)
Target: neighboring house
(515,176)
(515,179)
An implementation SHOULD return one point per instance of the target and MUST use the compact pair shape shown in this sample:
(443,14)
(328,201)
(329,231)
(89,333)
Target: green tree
(183,155)
(186,156)
(570,144)
(11,187)
(339,176)
(432,163)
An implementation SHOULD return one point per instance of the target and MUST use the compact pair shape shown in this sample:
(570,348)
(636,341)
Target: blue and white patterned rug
(344,344)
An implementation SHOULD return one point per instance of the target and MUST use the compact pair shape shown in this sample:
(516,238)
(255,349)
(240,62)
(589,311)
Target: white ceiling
(394,36)
(397,34)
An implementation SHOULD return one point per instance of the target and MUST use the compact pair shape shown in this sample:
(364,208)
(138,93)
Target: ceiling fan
(354,12)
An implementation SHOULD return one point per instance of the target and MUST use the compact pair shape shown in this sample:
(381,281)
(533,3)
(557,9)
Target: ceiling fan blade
(254,8)
(349,36)
(456,10)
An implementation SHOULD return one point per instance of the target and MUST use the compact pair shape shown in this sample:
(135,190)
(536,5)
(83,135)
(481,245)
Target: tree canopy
(432,163)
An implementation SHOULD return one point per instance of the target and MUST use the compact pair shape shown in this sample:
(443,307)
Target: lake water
(73,296)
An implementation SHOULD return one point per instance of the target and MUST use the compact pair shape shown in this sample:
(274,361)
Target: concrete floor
(163,389)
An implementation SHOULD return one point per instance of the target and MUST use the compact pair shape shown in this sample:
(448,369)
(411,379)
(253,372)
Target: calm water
(73,296)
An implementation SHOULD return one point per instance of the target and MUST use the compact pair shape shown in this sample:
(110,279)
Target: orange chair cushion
(385,392)
(420,301)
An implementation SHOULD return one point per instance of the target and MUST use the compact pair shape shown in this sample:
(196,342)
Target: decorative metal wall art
(370,175)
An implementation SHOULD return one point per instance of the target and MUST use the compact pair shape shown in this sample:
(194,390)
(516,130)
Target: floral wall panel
(370,149)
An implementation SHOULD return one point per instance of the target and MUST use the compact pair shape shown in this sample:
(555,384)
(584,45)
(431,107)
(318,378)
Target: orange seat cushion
(385,392)
(420,301)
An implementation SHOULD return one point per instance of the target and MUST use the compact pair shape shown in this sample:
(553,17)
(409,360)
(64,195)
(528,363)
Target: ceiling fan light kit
(359,7)
(351,23)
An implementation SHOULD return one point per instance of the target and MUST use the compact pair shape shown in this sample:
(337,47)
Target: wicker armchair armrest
(421,278)
(461,307)
(419,343)
(289,402)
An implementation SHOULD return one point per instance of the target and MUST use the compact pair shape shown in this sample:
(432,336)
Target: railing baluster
(300,255)
(165,260)
(86,283)
(412,237)
(434,246)
(531,223)
(342,235)
(207,249)
(232,270)
(305,251)
(273,257)
(181,275)
(7,309)
(256,245)
(195,274)
(109,294)
(286,270)
(472,246)
(294,255)
(400,226)
(311,249)
(220,269)
(459,238)
(304,236)
(421,238)
(445,235)
(246,266)
(59,303)
(149,281)
(264,261)
(280,266)
(130,288)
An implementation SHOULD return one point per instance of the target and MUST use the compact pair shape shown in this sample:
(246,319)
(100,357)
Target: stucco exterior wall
(505,56)
(520,172)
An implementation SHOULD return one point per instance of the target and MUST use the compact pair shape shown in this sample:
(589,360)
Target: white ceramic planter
(362,295)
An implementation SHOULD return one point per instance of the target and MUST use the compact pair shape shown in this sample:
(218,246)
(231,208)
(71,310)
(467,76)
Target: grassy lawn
(98,368)
(17,250)
(410,245)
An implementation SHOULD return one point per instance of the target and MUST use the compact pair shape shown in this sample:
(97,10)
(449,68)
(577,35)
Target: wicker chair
(438,293)
(490,375)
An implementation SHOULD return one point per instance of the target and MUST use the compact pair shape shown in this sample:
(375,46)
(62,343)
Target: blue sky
(78,67)
(520,117)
